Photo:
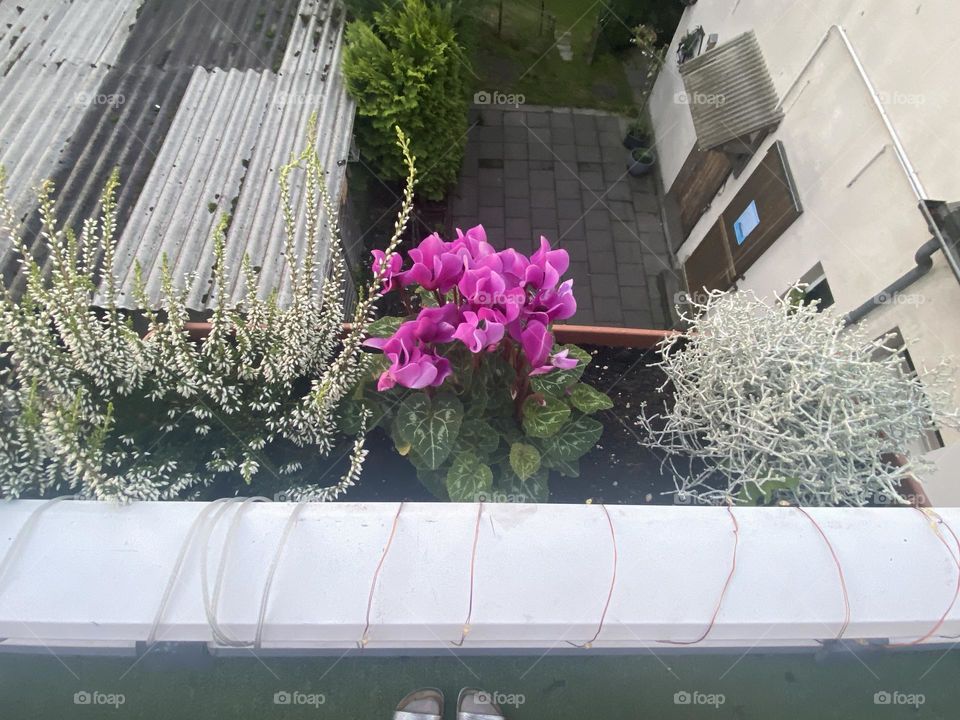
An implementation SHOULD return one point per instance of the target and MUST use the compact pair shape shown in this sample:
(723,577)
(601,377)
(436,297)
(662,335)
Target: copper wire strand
(843,580)
(365,638)
(613,582)
(473,561)
(937,518)
(716,611)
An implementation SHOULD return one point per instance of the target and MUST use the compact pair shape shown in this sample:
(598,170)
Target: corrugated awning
(731,94)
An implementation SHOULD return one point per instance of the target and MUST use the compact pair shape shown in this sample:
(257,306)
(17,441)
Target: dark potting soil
(620,469)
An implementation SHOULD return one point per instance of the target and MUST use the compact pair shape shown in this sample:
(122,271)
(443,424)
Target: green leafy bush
(618,18)
(407,69)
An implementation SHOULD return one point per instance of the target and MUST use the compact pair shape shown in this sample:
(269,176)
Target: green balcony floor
(550,687)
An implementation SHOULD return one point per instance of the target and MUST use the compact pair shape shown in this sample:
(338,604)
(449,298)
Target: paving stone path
(561,173)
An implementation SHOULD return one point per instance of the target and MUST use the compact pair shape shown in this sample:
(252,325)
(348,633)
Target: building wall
(860,218)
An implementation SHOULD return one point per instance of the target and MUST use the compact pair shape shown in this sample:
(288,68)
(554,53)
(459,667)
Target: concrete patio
(561,173)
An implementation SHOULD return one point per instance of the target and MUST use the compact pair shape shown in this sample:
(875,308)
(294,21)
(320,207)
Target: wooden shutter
(710,266)
(720,259)
(699,180)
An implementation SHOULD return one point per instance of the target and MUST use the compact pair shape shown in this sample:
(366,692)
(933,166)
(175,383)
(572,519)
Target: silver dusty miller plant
(782,402)
(92,404)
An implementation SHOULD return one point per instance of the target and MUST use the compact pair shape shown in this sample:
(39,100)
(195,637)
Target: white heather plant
(92,406)
(780,402)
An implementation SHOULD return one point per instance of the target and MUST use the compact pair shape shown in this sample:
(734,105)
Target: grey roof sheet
(53,56)
(229,138)
(730,92)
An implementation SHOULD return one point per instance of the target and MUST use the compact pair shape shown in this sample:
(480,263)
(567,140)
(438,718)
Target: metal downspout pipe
(916,185)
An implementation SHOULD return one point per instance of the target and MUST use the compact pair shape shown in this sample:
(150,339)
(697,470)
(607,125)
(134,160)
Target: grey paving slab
(562,173)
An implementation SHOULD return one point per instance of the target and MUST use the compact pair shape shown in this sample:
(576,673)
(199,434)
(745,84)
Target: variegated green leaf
(524,460)
(589,400)
(430,425)
(477,435)
(532,490)
(574,439)
(469,479)
(544,416)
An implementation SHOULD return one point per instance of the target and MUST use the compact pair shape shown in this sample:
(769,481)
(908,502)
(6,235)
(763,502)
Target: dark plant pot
(688,3)
(632,141)
(640,161)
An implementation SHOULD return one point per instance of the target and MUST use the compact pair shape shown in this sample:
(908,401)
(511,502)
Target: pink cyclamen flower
(435,265)
(480,330)
(473,243)
(416,370)
(559,361)
(390,278)
(559,303)
(410,365)
(546,266)
(536,341)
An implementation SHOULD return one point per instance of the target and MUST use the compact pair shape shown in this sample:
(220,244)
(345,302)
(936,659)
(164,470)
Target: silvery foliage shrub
(780,402)
(92,406)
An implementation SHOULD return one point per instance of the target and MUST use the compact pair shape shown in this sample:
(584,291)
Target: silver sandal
(476,704)
(422,704)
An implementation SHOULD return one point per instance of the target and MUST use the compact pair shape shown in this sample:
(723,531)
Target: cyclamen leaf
(430,425)
(567,468)
(588,399)
(433,480)
(574,439)
(524,460)
(532,490)
(542,417)
(468,479)
(478,435)
(553,383)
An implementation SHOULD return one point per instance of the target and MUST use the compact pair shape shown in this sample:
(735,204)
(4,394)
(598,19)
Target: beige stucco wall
(860,218)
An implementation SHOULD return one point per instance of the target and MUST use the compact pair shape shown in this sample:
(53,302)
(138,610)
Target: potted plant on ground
(640,161)
(638,134)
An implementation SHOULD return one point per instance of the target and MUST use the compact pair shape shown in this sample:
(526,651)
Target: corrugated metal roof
(229,138)
(145,59)
(54,55)
(730,92)
(57,31)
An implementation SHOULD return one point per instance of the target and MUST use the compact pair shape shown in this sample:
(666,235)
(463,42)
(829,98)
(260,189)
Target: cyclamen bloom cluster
(485,296)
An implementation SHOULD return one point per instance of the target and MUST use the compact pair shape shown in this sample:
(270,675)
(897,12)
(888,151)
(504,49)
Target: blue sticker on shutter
(746,223)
